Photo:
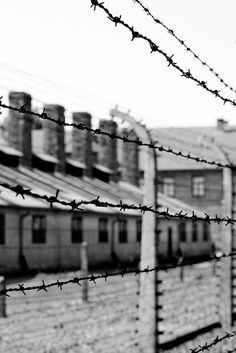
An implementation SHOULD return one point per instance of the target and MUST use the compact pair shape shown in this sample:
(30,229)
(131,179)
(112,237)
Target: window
(198,186)
(206,231)
(76,229)
(2,229)
(194,231)
(39,229)
(168,187)
(122,228)
(170,242)
(138,230)
(103,232)
(182,232)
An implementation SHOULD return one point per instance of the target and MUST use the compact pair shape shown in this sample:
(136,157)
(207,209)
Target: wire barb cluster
(122,206)
(93,278)
(170,61)
(182,42)
(125,138)
(217,340)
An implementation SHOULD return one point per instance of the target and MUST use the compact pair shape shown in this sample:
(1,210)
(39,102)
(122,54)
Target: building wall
(189,248)
(183,190)
(9,250)
(60,252)
(210,202)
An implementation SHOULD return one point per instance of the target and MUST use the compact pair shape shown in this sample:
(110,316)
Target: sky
(64,52)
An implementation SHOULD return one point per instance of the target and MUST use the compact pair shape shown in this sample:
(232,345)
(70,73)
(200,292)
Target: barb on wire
(182,42)
(125,138)
(75,206)
(155,48)
(217,340)
(93,278)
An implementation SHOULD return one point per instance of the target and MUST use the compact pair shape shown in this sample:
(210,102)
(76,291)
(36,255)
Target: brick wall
(183,191)
(189,300)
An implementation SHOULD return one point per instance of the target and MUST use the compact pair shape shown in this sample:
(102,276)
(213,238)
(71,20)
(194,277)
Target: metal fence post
(84,269)
(2,299)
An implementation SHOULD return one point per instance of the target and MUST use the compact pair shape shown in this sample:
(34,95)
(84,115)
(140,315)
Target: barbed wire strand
(93,278)
(216,341)
(122,206)
(155,48)
(125,138)
(182,42)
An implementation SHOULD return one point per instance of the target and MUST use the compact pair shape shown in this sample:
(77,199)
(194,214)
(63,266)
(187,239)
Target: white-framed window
(122,229)
(198,186)
(182,232)
(168,186)
(206,231)
(76,229)
(39,229)
(103,230)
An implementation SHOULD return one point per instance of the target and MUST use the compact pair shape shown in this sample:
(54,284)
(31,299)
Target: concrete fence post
(84,269)
(2,299)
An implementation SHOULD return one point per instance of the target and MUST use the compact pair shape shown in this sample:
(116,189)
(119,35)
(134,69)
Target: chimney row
(54,143)
(130,160)
(82,142)
(19,127)
(108,152)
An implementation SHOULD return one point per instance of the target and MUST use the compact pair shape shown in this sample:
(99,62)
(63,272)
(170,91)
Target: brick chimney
(19,127)
(130,159)
(82,142)
(108,152)
(221,124)
(54,141)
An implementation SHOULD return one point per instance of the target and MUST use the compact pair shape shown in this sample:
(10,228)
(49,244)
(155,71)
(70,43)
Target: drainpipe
(22,260)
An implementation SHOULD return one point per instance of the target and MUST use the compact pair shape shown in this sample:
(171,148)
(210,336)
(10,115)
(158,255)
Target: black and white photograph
(117,176)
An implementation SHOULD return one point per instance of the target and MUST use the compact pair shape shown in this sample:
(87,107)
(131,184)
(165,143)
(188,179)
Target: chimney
(19,126)
(82,142)
(54,143)
(108,152)
(130,160)
(221,124)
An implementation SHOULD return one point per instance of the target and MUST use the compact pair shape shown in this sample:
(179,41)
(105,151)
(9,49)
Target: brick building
(204,186)
(47,158)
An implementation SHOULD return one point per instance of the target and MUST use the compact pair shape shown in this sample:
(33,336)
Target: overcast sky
(96,65)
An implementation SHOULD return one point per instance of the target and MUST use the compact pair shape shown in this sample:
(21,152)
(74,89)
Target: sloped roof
(75,188)
(199,141)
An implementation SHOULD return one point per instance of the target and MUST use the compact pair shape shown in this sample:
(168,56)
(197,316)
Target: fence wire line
(217,340)
(75,206)
(182,42)
(155,48)
(125,138)
(93,278)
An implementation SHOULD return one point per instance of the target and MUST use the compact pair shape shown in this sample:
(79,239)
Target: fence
(179,301)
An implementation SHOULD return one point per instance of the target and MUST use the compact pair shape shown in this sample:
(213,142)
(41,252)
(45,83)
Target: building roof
(75,188)
(199,141)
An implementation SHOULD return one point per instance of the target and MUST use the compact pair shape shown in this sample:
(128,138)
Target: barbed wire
(182,42)
(217,340)
(93,278)
(122,206)
(155,48)
(125,138)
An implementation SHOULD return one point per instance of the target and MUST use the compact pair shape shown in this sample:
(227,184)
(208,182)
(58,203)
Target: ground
(59,322)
